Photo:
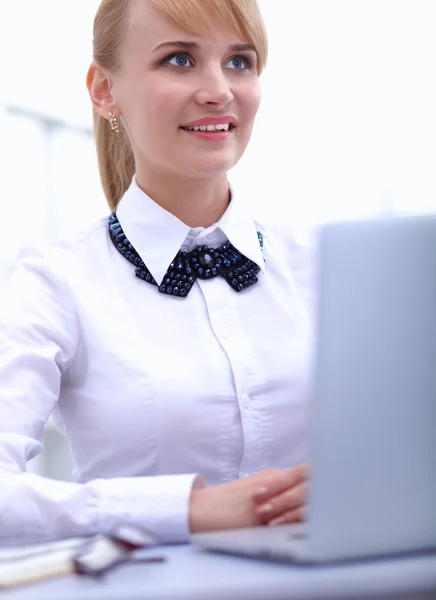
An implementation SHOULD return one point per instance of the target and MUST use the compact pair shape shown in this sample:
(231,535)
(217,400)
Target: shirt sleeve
(38,339)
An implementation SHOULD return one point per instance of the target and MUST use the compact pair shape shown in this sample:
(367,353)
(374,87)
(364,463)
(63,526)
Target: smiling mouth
(211,128)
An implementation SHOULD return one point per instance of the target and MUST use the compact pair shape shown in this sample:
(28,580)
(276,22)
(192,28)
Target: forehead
(149,27)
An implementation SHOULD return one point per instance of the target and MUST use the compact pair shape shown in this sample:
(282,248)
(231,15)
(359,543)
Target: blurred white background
(347,127)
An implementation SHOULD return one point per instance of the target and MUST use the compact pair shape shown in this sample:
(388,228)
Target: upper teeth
(220,127)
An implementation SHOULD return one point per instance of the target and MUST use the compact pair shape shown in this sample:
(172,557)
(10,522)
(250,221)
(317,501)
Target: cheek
(164,100)
(250,98)
(154,113)
(153,102)
(255,102)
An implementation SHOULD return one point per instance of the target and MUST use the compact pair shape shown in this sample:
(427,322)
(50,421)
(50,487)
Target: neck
(196,202)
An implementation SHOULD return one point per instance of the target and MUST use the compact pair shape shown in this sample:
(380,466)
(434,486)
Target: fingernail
(262,492)
(265,508)
(277,521)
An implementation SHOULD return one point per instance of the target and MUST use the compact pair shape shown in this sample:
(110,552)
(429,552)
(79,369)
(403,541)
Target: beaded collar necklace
(202,263)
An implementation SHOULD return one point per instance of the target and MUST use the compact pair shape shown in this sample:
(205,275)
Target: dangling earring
(113,121)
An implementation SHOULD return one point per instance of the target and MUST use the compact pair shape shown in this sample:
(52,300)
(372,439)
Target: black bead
(207,260)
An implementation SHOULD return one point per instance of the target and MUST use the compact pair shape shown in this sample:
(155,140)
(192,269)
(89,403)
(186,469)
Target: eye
(179,60)
(239,63)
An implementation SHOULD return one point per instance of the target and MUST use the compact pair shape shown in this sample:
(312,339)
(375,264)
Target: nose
(214,89)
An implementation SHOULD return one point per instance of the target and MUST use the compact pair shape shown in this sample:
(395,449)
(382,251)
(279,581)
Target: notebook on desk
(373,412)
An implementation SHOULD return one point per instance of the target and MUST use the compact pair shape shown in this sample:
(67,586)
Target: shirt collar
(157,235)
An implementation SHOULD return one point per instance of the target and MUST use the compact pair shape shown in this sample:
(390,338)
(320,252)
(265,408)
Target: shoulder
(42,277)
(291,249)
(295,242)
(57,254)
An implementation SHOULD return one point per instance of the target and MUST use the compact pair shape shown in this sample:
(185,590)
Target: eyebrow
(194,46)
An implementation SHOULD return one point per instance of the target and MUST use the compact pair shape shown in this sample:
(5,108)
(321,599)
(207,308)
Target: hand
(276,506)
(236,504)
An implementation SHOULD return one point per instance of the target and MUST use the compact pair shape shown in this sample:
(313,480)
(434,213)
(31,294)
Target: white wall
(347,126)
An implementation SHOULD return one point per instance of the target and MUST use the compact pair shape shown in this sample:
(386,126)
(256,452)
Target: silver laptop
(373,412)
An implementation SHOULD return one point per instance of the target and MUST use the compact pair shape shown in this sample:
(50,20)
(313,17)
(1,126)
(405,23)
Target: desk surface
(192,574)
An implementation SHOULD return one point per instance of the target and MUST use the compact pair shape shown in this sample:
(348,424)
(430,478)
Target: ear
(99,84)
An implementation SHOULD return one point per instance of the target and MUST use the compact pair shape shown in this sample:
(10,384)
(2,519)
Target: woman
(169,342)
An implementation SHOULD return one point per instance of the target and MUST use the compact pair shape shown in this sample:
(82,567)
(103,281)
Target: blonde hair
(115,157)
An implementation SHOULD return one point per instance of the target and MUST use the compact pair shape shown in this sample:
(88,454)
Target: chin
(211,166)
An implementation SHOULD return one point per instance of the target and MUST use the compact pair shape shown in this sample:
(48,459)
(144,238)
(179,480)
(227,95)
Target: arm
(38,338)
(35,509)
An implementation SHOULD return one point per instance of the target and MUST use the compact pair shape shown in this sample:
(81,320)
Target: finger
(281,504)
(280,481)
(293,516)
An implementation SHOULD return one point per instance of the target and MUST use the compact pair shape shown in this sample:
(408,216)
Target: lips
(219,123)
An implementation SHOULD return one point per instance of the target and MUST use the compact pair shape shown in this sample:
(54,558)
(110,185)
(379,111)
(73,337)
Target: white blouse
(150,389)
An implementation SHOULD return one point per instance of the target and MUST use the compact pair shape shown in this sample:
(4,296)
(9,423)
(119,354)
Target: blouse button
(245,401)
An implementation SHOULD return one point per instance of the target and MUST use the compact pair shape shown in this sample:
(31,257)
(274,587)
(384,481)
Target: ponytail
(114,153)
(115,160)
